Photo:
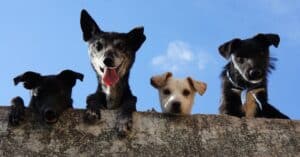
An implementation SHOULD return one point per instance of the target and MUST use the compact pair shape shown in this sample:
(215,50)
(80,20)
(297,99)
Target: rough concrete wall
(153,134)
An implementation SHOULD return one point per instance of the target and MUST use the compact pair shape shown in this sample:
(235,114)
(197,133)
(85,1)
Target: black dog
(50,95)
(112,55)
(246,73)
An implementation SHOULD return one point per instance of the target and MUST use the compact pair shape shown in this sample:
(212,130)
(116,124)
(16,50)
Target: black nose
(108,62)
(255,74)
(50,116)
(175,108)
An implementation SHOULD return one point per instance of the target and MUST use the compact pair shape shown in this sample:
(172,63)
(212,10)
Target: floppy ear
(69,77)
(88,26)
(30,79)
(198,86)
(227,48)
(268,39)
(136,38)
(160,80)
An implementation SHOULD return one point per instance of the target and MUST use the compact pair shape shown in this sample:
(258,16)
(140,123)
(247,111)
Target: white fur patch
(236,66)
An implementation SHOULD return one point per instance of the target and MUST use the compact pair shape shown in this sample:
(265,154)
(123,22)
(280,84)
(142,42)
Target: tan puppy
(177,95)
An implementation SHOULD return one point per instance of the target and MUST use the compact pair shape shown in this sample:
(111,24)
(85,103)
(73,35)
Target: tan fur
(250,105)
(198,86)
(160,80)
(176,88)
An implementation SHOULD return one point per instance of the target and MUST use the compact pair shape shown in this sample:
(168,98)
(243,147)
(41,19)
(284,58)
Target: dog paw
(17,112)
(124,126)
(91,115)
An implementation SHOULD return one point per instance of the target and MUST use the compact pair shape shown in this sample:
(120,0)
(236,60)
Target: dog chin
(253,81)
(174,113)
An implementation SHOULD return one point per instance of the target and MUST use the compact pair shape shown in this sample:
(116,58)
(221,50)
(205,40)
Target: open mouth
(110,75)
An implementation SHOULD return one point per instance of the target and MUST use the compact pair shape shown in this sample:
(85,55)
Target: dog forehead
(111,36)
(250,48)
(51,82)
(252,44)
(178,83)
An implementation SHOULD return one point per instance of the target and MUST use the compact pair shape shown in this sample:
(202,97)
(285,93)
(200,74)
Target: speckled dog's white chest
(113,98)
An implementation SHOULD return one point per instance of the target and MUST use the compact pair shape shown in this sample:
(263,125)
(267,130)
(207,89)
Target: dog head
(51,94)
(177,95)
(112,54)
(250,57)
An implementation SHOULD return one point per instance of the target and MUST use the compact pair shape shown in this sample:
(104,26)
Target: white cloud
(180,57)
(204,59)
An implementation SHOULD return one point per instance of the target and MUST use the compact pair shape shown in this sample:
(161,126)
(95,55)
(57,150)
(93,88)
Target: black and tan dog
(50,95)
(246,74)
(112,55)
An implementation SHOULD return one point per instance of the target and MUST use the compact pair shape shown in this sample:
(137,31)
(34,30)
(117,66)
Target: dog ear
(69,77)
(227,48)
(268,39)
(88,26)
(160,80)
(136,38)
(198,86)
(31,79)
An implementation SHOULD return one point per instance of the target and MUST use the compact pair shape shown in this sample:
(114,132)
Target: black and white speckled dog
(50,95)
(246,74)
(112,55)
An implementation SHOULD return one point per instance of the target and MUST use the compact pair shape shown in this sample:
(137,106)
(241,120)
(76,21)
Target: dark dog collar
(244,91)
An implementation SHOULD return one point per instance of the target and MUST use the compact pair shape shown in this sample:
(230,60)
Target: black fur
(51,95)
(250,55)
(120,95)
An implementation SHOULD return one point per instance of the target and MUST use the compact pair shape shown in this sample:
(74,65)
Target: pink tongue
(110,77)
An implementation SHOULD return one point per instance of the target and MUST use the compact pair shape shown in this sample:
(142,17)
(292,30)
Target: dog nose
(108,62)
(50,116)
(255,74)
(175,108)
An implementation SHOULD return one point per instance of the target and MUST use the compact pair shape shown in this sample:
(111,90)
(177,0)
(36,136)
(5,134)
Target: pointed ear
(160,80)
(30,79)
(69,77)
(268,39)
(88,26)
(136,38)
(198,86)
(227,48)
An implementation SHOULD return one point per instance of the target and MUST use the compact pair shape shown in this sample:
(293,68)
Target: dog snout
(108,62)
(50,116)
(176,107)
(255,74)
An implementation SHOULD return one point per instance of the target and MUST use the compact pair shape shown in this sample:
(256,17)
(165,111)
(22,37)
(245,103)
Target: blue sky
(182,37)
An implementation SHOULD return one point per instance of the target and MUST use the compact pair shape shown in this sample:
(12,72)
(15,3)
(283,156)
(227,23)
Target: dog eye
(38,92)
(166,92)
(99,46)
(186,92)
(261,53)
(120,45)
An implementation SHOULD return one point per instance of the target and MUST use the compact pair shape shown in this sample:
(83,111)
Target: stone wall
(153,134)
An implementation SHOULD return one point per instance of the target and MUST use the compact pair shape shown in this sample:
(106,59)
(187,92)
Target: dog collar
(244,91)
